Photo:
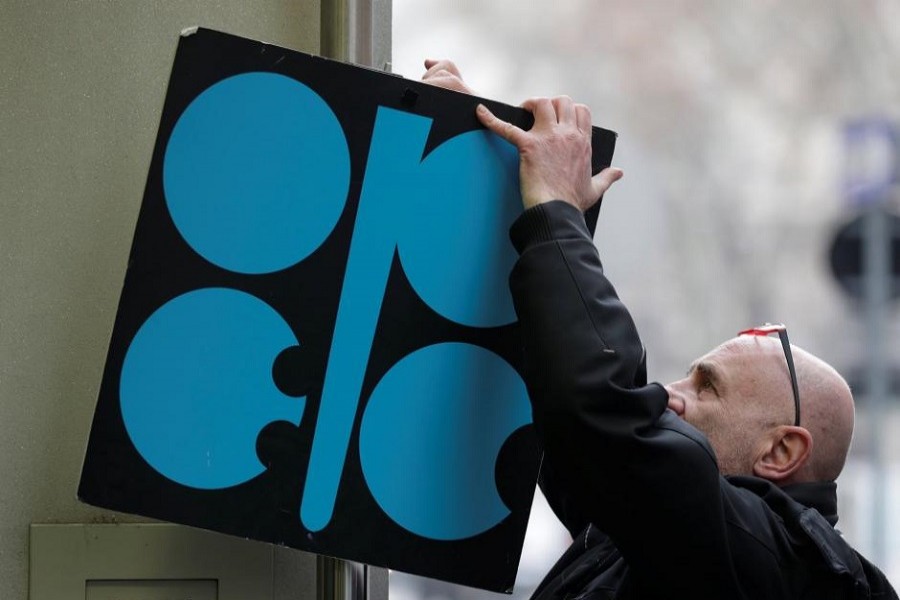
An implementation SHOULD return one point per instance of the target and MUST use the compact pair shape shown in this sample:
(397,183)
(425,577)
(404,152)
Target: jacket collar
(813,507)
(820,495)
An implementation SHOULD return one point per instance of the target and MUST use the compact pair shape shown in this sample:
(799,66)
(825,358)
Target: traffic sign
(847,258)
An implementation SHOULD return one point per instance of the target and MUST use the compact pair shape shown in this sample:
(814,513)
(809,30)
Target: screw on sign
(847,255)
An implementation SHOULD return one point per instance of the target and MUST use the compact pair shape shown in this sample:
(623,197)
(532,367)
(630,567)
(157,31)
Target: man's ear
(787,452)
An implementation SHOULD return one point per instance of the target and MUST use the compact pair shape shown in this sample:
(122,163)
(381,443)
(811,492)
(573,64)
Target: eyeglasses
(781,330)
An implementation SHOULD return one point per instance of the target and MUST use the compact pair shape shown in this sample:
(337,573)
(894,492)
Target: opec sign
(315,345)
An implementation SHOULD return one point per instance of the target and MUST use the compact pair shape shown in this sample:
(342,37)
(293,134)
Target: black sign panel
(315,345)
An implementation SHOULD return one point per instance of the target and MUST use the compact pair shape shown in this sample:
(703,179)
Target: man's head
(739,395)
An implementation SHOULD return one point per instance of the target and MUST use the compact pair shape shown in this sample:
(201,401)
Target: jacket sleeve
(620,460)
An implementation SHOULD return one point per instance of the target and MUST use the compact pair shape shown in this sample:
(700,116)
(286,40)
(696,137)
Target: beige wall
(81,90)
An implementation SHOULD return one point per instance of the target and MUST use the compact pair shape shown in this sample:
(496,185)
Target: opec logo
(256,175)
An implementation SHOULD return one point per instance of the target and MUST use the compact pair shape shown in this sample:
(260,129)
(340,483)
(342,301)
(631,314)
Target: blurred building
(732,122)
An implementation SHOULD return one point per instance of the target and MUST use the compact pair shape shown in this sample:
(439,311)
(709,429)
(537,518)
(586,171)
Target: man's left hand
(445,74)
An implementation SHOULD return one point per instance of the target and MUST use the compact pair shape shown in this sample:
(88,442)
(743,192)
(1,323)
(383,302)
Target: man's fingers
(604,179)
(583,117)
(449,82)
(507,131)
(565,109)
(542,109)
(432,66)
(444,73)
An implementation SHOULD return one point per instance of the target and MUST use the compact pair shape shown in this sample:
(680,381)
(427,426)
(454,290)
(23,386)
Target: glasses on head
(781,330)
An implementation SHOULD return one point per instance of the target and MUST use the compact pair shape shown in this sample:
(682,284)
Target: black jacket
(638,487)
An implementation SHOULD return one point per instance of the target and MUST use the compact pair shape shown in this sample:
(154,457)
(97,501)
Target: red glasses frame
(781,330)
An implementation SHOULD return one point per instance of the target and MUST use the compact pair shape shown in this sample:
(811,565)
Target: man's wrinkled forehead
(743,359)
(750,346)
(741,352)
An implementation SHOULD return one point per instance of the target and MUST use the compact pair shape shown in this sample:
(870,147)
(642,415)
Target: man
(720,485)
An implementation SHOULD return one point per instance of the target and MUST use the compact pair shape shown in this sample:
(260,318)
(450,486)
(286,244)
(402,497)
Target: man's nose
(676,398)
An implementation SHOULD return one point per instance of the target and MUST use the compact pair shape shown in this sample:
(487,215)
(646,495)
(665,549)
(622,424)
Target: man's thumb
(603,180)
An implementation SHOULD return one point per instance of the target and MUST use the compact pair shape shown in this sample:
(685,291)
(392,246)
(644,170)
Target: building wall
(81,90)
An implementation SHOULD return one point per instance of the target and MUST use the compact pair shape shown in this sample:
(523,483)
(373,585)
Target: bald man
(718,486)
(746,420)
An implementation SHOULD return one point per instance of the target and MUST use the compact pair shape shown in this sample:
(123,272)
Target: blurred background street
(750,134)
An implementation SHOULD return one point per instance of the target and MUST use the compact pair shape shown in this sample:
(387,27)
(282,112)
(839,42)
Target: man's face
(734,395)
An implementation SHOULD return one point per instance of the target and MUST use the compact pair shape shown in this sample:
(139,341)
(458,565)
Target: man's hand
(555,154)
(445,74)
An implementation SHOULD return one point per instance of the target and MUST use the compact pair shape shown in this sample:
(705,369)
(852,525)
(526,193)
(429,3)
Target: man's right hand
(444,73)
(555,154)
